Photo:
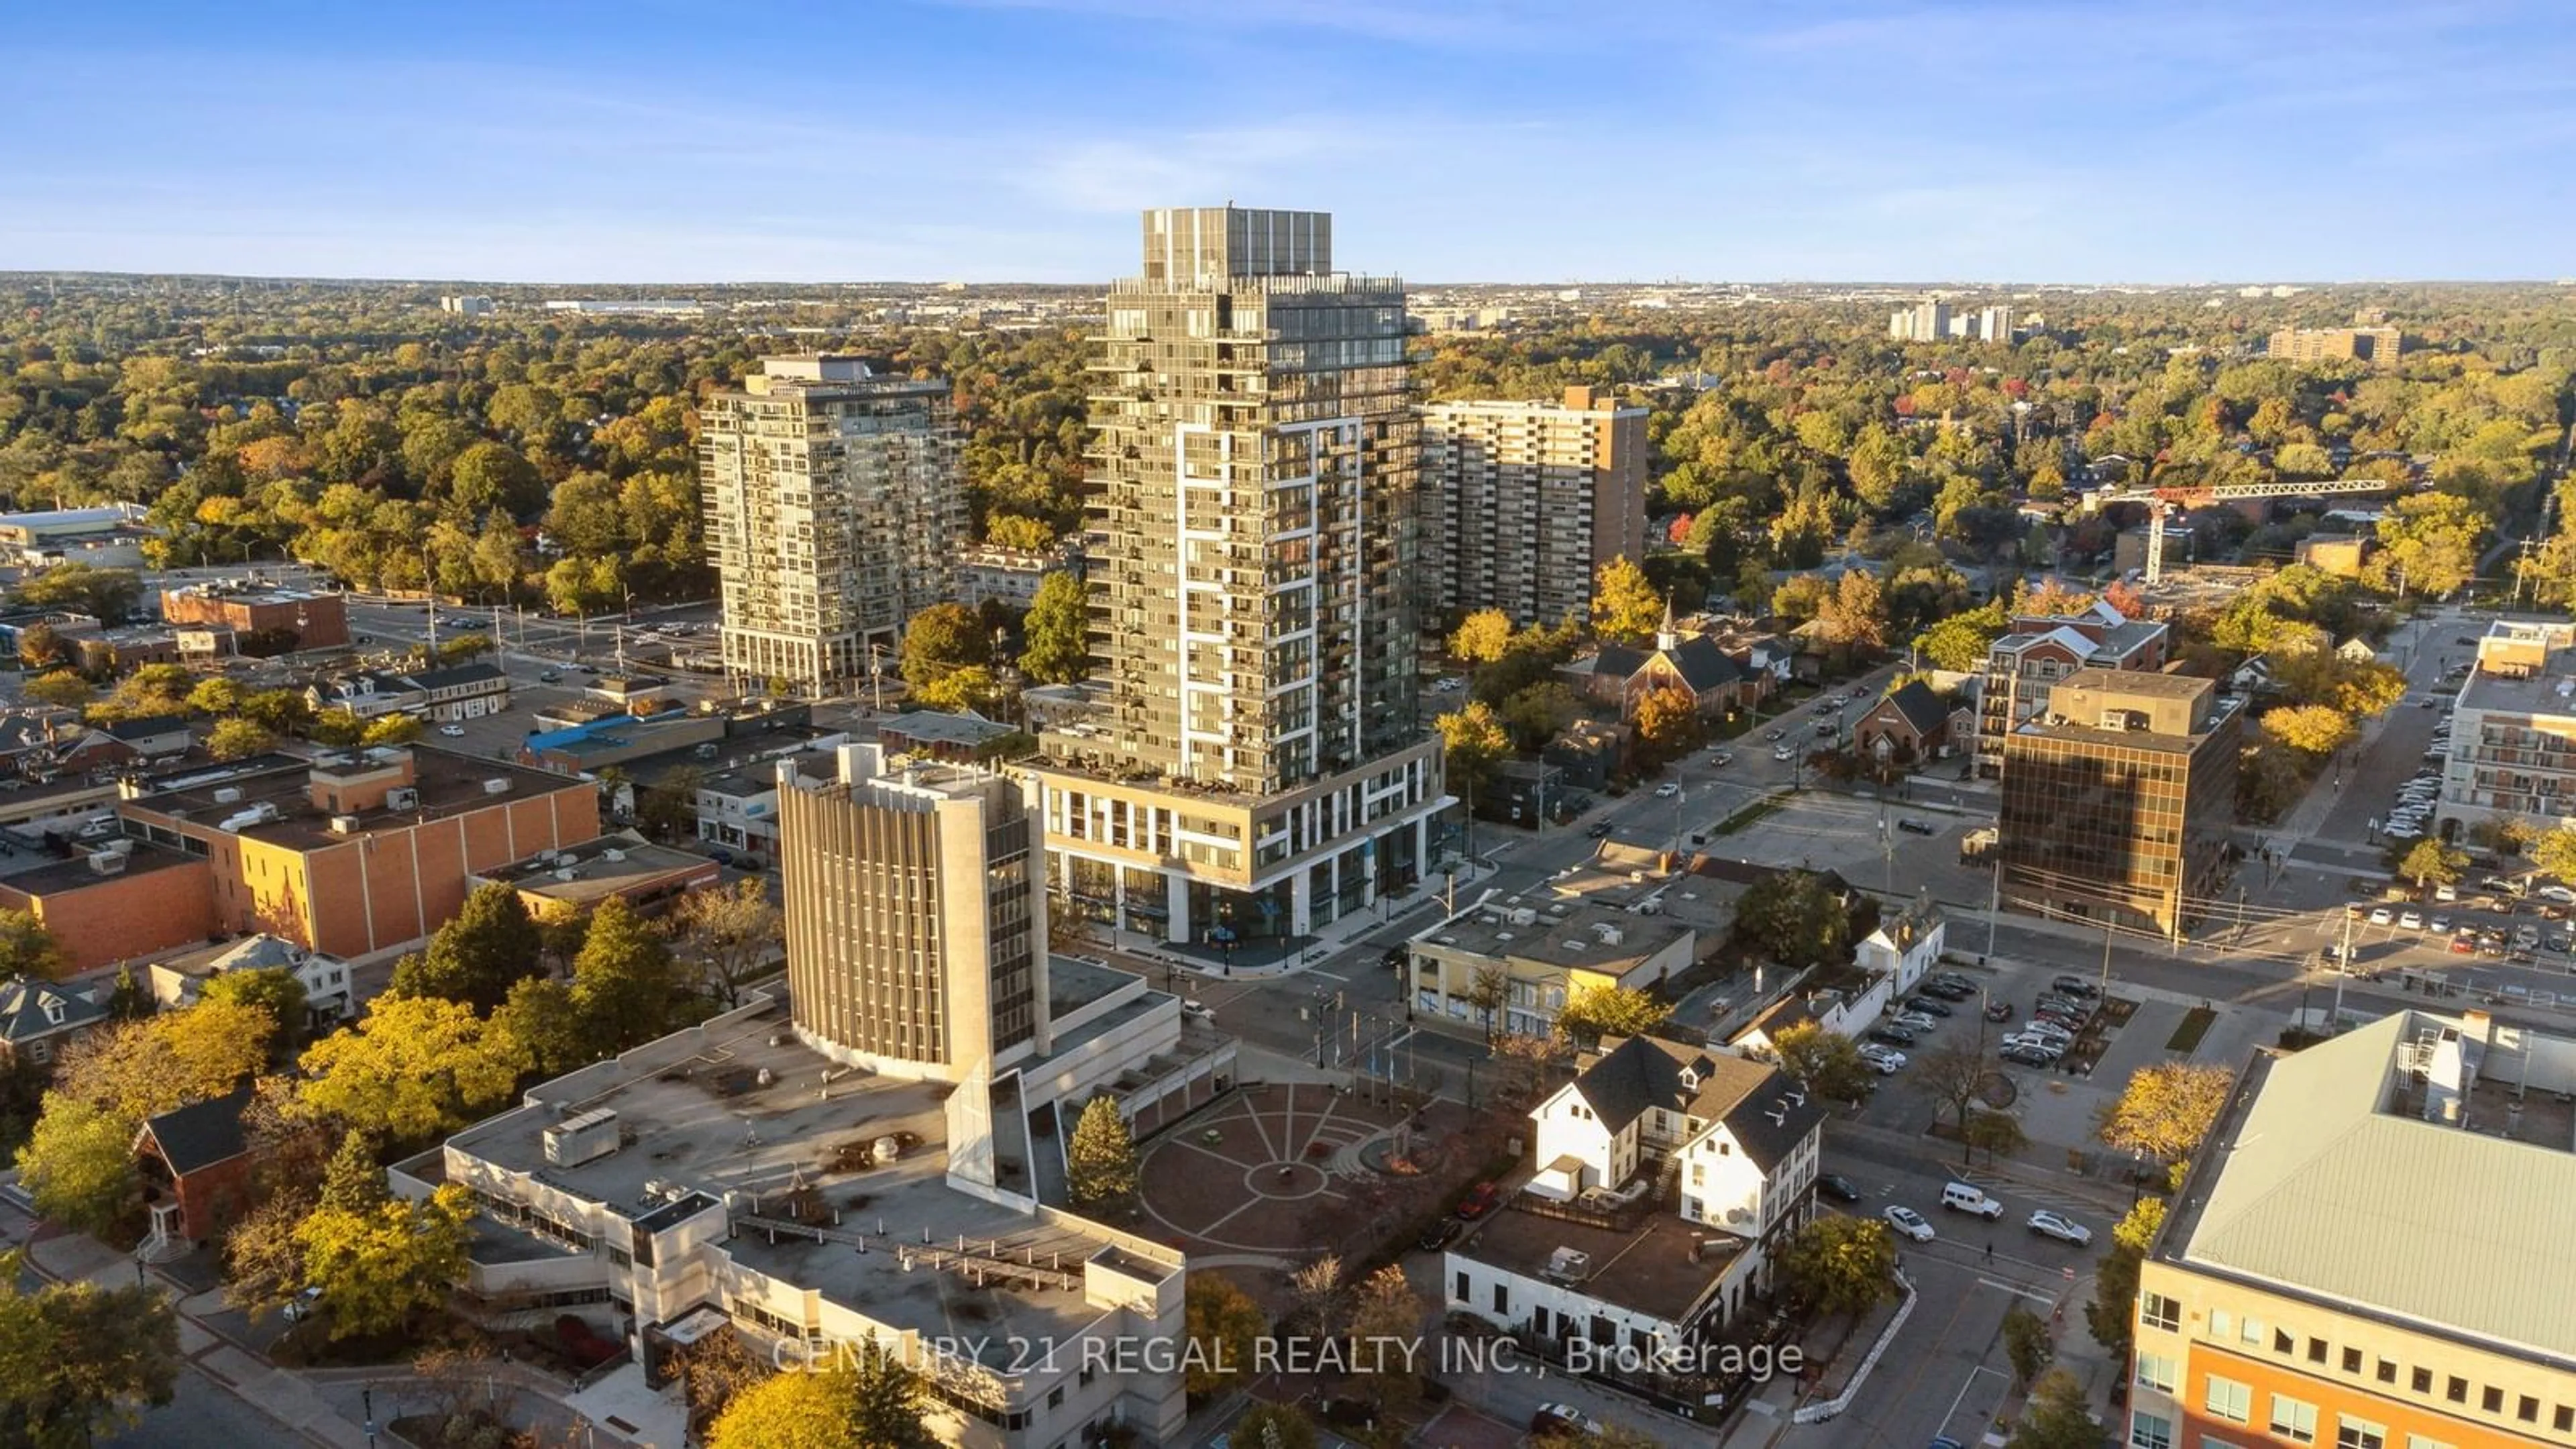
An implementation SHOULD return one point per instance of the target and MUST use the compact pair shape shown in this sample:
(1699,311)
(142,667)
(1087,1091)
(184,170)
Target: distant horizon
(1946,284)
(1015,141)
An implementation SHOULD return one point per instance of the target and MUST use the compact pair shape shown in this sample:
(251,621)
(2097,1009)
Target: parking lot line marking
(1329,976)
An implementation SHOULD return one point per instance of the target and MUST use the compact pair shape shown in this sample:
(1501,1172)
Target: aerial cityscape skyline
(1466,142)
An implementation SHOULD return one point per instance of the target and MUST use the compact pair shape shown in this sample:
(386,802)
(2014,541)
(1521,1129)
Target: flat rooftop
(449,784)
(1585,935)
(39,875)
(748,1109)
(2469,1247)
(2552,691)
(1648,1270)
(2225,707)
(599,869)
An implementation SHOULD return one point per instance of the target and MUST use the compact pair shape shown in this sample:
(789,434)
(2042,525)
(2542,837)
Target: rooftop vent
(344,824)
(496,786)
(228,794)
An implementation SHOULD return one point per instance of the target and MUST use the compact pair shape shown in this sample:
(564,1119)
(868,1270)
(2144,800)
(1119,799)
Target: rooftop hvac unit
(406,798)
(1569,1265)
(228,794)
(565,872)
(107,862)
(612,855)
(496,786)
(1524,917)
(344,825)
(582,1138)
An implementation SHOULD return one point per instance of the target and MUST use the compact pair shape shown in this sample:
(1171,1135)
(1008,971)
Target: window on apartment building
(2456,1389)
(1055,1397)
(2252,1331)
(2157,1311)
(1502,1299)
(2150,1431)
(2221,1324)
(2421,1441)
(2562,1418)
(2387,1371)
(2352,1360)
(2527,1409)
(2282,1342)
(2316,1350)
(2293,1420)
(2491,1399)
(1461,1294)
(2156,1371)
(2422,1380)
(2351,1433)
(2227,1399)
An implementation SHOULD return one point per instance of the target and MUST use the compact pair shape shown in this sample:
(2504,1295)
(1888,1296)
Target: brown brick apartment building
(355,853)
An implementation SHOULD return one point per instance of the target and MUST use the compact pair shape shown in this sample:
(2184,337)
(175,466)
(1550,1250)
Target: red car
(1479,1201)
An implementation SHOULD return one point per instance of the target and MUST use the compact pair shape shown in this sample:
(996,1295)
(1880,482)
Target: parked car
(2060,1227)
(1440,1234)
(2027,1042)
(1953,978)
(1917,827)
(2029,1056)
(452,731)
(1929,1006)
(1784,754)
(1721,757)
(2383,916)
(1883,1061)
(1600,830)
(2073,985)
(1479,1201)
(1562,1421)
(1771,734)
(2411,920)
(1667,790)
(1908,1222)
(2559,893)
(1838,1187)
(1999,1011)
(549,676)
(1892,1034)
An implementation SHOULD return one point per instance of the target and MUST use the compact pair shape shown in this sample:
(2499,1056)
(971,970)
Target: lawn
(2195,1025)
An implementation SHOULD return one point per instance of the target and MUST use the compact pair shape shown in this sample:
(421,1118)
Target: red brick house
(199,1155)
(1909,724)
(1618,675)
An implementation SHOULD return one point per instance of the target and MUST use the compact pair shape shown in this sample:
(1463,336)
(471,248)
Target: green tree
(2431,862)
(1274,1426)
(2554,852)
(377,1264)
(217,695)
(108,595)
(2027,1345)
(940,640)
(1056,647)
(1536,714)
(866,1399)
(1601,1011)
(270,990)
(413,1068)
(78,1361)
(391,729)
(278,710)
(1482,637)
(542,1026)
(2165,1110)
(624,983)
(1837,1264)
(492,477)
(1854,615)
(238,739)
(1012,530)
(60,688)
(1473,744)
(2057,1416)
(28,949)
(1625,607)
(2428,545)
(336,728)
(475,958)
(2314,730)
(970,686)
(1100,1160)
(78,1165)
(1224,1327)
(1792,918)
(1996,1134)
(2115,1282)
(1826,1062)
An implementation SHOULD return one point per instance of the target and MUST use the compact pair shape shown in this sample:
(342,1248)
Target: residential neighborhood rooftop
(1587,935)
(1658,1268)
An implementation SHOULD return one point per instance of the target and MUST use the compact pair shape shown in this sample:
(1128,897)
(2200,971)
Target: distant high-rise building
(2377,346)
(1925,321)
(1523,501)
(1995,324)
(1251,760)
(2119,800)
(466,306)
(833,515)
(916,928)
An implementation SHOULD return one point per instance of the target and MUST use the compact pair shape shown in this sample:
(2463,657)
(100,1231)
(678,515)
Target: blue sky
(1455,140)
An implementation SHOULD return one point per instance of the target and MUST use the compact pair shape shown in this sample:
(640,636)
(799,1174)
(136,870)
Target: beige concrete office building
(914,931)
(1522,502)
(1252,755)
(833,514)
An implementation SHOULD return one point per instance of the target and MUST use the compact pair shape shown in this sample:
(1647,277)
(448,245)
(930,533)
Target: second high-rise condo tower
(1251,759)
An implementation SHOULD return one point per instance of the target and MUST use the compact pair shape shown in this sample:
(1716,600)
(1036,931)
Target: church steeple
(1668,638)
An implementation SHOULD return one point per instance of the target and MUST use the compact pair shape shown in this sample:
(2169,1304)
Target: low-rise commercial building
(2366,1253)
(2118,803)
(562,884)
(2035,651)
(2378,346)
(293,618)
(1546,956)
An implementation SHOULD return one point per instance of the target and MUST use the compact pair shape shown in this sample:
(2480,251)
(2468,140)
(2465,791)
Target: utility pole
(2343,968)
(1995,906)
(2106,955)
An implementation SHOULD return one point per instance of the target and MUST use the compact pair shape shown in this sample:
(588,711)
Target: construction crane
(2161,501)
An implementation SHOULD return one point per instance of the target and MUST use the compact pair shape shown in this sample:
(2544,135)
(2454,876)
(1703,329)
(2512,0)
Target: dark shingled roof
(201,1135)
(1919,706)
(1629,1078)
(1766,1141)
(22,1009)
(146,726)
(1704,666)
(1644,1072)
(474,673)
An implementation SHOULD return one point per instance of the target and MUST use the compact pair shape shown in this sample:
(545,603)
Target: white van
(1968,1198)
